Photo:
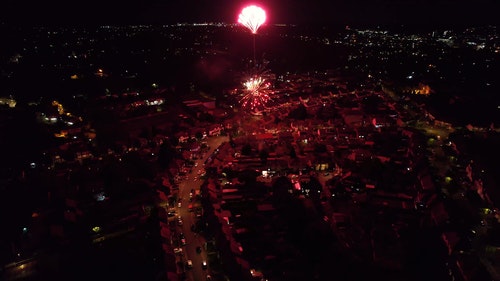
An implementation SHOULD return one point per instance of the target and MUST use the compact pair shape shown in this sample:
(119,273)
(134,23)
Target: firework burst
(256,94)
(252,17)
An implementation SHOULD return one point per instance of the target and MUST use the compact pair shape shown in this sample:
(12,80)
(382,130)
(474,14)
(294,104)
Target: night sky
(351,12)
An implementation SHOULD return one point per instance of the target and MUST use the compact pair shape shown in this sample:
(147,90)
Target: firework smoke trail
(252,17)
(256,94)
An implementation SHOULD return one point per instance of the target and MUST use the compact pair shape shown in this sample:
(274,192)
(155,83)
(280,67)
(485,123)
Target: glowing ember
(256,94)
(252,17)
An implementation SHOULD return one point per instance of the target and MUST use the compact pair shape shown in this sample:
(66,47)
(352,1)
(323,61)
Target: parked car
(204,264)
(198,213)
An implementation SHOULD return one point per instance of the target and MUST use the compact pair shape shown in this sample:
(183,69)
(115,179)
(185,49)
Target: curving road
(193,240)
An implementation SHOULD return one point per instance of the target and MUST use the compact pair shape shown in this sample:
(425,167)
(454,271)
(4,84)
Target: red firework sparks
(252,17)
(256,94)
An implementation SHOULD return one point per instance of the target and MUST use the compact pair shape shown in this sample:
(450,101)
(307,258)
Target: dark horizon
(319,12)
